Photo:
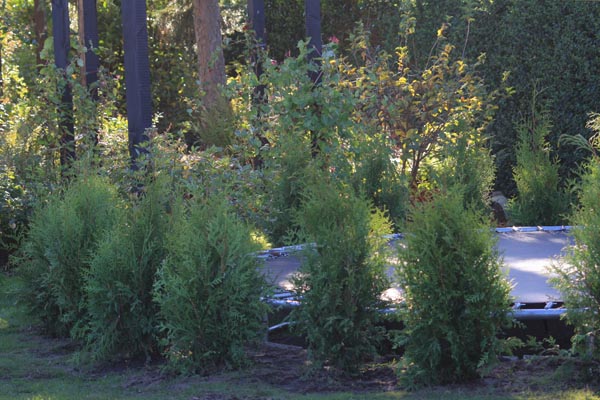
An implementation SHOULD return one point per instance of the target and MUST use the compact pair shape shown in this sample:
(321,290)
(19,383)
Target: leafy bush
(56,253)
(540,200)
(122,316)
(341,281)
(578,278)
(457,298)
(209,288)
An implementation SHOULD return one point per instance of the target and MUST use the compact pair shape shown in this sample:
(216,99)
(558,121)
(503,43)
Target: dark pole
(62,45)
(90,36)
(88,21)
(256,13)
(313,31)
(137,75)
(312,10)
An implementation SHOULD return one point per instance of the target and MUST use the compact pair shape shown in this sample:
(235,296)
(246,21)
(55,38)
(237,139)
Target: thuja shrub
(209,289)
(121,313)
(378,178)
(288,176)
(540,199)
(342,278)
(469,164)
(56,253)
(578,278)
(457,297)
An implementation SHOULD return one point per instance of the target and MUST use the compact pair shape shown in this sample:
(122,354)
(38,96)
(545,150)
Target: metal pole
(137,76)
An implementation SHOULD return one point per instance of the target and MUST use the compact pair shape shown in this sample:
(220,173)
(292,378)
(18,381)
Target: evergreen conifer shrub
(456,295)
(209,289)
(341,281)
(56,254)
(378,178)
(122,315)
(540,199)
(579,277)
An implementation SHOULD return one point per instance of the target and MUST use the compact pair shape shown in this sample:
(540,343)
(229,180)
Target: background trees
(394,81)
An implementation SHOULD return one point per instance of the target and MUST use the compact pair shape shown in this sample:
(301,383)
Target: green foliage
(540,200)
(14,210)
(377,177)
(578,278)
(457,297)
(210,127)
(467,164)
(341,280)
(56,253)
(209,288)
(306,124)
(121,313)
(549,44)
(422,111)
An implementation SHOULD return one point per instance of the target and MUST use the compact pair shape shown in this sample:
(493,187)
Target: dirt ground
(286,367)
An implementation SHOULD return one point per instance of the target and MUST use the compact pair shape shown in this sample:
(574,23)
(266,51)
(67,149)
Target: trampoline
(527,254)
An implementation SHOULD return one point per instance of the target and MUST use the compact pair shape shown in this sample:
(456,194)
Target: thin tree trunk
(256,14)
(211,64)
(1,79)
(62,45)
(88,39)
(137,76)
(1,76)
(81,37)
(41,29)
(312,11)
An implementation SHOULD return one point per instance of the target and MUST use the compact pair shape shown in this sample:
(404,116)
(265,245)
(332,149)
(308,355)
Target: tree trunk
(88,39)
(41,29)
(211,64)
(256,15)
(137,76)
(62,45)
(1,79)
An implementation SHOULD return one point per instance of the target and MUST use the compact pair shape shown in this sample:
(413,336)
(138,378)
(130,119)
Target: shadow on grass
(36,367)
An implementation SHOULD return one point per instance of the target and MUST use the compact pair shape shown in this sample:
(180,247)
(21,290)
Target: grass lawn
(35,367)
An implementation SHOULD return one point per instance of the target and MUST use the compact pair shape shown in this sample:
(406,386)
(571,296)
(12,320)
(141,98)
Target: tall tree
(211,64)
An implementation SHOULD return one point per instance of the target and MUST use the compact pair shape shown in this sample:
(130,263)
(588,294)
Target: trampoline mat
(527,256)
